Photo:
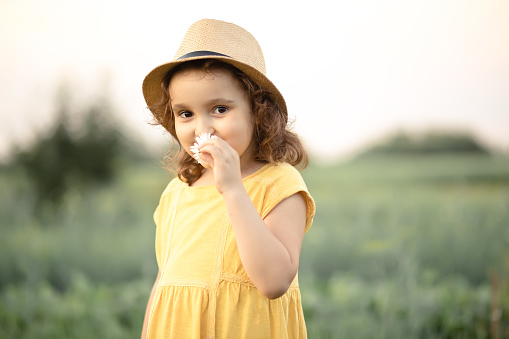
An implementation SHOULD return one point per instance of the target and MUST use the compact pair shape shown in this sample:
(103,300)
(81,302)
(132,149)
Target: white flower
(200,139)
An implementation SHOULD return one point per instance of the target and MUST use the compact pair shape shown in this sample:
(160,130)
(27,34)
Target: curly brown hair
(272,135)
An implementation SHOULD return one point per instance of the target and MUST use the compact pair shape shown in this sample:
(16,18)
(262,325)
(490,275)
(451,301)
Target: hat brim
(152,83)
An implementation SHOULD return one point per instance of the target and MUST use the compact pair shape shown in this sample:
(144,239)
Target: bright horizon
(350,72)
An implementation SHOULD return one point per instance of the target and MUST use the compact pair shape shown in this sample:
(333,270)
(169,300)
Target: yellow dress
(204,291)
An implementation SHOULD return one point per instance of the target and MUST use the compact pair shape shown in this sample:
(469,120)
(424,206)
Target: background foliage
(406,243)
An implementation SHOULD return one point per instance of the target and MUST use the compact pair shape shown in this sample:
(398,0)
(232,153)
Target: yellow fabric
(204,291)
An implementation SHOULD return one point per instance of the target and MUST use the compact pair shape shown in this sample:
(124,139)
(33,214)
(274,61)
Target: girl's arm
(270,248)
(149,306)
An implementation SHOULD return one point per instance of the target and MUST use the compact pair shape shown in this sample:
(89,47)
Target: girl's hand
(218,155)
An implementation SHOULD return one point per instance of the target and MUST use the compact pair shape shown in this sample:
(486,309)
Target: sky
(352,72)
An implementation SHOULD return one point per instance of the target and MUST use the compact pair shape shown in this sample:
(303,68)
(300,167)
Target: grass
(401,247)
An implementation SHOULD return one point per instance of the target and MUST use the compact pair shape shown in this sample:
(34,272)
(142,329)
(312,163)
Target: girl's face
(211,102)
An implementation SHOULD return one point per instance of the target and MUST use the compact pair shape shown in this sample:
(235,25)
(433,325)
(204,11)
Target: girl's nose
(204,125)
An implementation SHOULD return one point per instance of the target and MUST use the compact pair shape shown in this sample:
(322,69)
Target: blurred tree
(429,143)
(81,149)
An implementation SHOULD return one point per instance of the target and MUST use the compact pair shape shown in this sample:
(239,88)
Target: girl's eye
(220,110)
(185,114)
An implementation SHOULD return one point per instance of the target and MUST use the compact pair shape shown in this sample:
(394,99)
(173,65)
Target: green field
(401,247)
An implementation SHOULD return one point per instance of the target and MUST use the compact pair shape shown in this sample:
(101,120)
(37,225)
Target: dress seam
(170,236)
(233,278)
(185,283)
(216,277)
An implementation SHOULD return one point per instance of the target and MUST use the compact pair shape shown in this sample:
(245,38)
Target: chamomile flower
(200,139)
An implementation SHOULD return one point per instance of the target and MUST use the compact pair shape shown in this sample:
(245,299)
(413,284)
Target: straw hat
(215,39)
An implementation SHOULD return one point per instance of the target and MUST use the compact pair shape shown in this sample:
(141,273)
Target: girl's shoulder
(282,173)
(277,182)
(174,185)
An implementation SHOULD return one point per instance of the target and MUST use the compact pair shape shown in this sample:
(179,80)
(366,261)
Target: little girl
(230,227)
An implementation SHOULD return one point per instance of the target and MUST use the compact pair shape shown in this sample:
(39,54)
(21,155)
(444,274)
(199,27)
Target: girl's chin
(201,161)
(205,164)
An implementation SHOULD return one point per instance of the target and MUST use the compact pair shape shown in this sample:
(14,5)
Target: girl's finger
(206,160)
(210,154)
